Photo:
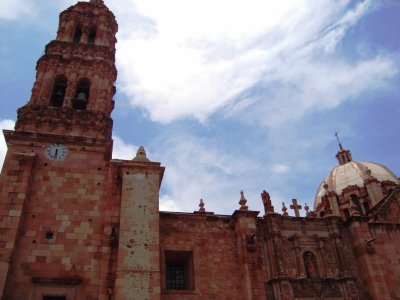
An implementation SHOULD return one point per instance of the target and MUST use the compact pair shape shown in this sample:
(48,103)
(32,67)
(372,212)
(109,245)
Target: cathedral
(78,225)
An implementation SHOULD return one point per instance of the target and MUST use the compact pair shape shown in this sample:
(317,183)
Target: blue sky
(232,95)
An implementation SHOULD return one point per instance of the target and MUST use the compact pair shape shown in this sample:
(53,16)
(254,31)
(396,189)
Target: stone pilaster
(138,268)
(14,190)
(249,252)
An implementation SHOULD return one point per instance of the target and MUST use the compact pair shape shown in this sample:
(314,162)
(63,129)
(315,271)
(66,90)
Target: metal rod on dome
(337,137)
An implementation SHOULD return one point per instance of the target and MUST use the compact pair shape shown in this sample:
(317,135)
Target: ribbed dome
(353,173)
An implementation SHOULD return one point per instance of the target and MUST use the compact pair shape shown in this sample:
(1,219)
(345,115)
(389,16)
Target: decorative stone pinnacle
(141,155)
(201,205)
(284,209)
(325,185)
(266,199)
(306,208)
(368,171)
(243,202)
(295,207)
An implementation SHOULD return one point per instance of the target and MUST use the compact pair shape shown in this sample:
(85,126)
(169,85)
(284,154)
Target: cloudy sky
(238,94)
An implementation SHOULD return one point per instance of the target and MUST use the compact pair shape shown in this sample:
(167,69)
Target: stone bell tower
(59,211)
(74,86)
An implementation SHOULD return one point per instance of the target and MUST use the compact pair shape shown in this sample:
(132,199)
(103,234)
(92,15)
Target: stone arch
(82,92)
(92,34)
(59,90)
(78,33)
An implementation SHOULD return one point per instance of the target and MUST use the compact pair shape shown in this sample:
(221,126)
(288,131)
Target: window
(356,202)
(78,34)
(60,85)
(54,298)
(49,235)
(366,207)
(82,95)
(92,35)
(311,266)
(179,270)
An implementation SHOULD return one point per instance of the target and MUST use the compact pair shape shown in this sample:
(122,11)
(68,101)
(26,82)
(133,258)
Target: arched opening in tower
(59,88)
(82,94)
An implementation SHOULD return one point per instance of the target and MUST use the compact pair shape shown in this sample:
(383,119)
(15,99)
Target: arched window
(356,202)
(78,34)
(92,35)
(81,95)
(310,264)
(59,87)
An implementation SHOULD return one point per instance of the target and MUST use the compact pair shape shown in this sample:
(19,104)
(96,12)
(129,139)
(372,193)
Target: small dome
(352,173)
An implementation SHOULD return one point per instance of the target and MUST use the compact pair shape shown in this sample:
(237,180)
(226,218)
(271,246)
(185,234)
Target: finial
(343,156)
(306,208)
(325,185)
(284,209)
(141,155)
(337,137)
(266,199)
(201,205)
(243,202)
(368,171)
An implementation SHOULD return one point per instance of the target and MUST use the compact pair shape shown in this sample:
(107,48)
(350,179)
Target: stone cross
(295,207)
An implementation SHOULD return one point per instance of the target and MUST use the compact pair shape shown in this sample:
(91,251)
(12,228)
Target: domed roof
(353,173)
(350,173)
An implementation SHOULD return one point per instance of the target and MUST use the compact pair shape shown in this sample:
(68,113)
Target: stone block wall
(63,246)
(216,262)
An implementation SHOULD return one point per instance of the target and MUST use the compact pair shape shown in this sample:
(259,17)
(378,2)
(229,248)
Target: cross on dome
(343,156)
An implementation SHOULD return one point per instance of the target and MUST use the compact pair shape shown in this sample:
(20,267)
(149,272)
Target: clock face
(56,151)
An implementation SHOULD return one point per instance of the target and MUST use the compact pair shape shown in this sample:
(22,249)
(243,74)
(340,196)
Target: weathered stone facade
(75,224)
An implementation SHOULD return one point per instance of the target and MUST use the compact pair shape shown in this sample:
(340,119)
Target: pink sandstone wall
(217,265)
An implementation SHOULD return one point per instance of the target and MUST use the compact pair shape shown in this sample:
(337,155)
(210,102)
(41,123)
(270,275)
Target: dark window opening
(49,235)
(346,213)
(82,95)
(356,201)
(54,298)
(60,86)
(176,276)
(310,263)
(179,270)
(78,34)
(366,207)
(92,36)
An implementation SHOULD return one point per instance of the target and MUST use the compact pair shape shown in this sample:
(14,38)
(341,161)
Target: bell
(57,99)
(81,97)
(80,101)
(59,93)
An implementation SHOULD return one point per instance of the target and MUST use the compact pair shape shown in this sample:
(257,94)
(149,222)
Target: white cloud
(280,168)
(180,59)
(9,125)
(308,86)
(198,169)
(168,204)
(122,150)
(11,10)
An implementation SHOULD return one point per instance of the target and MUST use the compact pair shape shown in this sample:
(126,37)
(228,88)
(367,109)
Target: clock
(56,151)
